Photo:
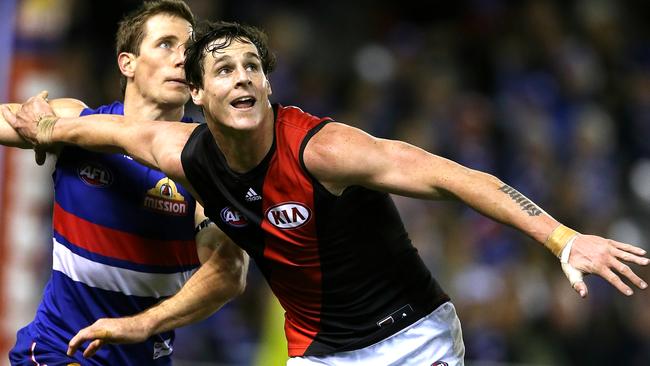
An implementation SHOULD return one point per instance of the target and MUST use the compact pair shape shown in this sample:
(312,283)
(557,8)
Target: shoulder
(337,154)
(296,117)
(198,146)
(198,136)
(336,138)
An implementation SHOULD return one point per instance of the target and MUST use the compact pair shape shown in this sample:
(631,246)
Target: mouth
(243,102)
(178,80)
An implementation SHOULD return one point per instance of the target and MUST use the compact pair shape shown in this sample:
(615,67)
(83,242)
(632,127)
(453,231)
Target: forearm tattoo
(525,204)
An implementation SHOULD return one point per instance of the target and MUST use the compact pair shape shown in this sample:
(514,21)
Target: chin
(244,123)
(178,99)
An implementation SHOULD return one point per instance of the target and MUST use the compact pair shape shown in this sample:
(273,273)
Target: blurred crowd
(553,97)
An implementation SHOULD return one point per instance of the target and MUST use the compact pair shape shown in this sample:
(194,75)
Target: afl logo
(233,217)
(95,175)
(288,215)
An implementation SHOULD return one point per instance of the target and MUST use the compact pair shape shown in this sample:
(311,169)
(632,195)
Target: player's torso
(123,238)
(330,260)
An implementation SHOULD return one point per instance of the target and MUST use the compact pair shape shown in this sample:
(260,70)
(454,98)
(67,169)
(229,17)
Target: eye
(252,67)
(165,44)
(224,70)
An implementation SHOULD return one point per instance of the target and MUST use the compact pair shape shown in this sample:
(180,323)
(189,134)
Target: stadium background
(551,96)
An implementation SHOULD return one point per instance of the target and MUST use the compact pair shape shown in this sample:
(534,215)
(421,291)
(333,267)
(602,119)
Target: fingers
(36,107)
(98,338)
(608,259)
(8,116)
(93,347)
(90,351)
(629,248)
(629,257)
(626,271)
(616,281)
(42,94)
(74,344)
(575,278)
(581,289)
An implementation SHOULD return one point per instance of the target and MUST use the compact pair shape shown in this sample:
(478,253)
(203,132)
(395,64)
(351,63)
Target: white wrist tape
(572,274)
(566,251)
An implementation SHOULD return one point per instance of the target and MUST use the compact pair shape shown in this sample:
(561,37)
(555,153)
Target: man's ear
(197,95)
(268,87)
(127,62)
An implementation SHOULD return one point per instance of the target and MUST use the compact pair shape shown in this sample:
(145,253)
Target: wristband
(202,225)
(45,125)
(559,238)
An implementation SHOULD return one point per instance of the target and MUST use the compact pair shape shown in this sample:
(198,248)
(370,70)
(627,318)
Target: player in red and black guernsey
(123,233)
(342,265)
(308,199)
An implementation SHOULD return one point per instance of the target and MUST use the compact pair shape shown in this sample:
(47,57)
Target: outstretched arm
(340,156)
(220,278)
(153,143)
(64,107)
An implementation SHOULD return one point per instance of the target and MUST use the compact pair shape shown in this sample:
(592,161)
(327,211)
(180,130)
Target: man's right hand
(108,330)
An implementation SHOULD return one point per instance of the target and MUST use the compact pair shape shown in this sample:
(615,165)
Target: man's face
(235,90)
(159,75)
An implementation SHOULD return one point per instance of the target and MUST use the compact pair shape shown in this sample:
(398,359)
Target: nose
(243,78)
(179,56)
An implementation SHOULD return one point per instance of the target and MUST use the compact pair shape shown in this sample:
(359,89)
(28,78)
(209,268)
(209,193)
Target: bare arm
(64,107)
(340,156)
(220,278)
(209,237)
(154,143)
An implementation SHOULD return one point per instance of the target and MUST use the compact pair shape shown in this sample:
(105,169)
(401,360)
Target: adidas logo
(252,196)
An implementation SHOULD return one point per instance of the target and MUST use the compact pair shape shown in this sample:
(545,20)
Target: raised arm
(153,143)
(340,156)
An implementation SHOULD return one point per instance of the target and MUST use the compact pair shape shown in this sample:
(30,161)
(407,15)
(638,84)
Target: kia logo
(288,215)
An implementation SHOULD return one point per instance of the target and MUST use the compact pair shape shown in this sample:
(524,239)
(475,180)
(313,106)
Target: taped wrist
(559,238)
(45,125)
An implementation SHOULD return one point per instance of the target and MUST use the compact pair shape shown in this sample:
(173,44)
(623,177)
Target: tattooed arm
(526,205)
(340,156)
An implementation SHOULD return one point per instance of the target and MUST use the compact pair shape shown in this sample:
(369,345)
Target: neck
(137,106)
(246,149)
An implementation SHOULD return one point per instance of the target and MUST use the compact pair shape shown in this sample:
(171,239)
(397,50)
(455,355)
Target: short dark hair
(228,31)
(131,29)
